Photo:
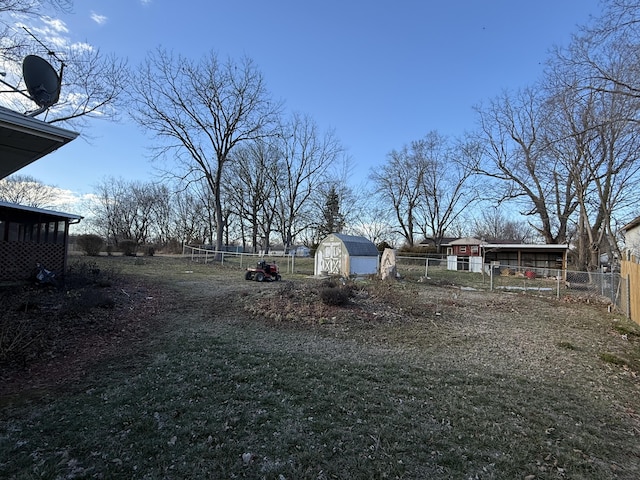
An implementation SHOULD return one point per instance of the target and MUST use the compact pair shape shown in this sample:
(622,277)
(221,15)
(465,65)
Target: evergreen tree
(332,220)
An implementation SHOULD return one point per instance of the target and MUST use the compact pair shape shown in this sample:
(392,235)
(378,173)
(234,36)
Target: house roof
(432,241)
(25,139)
(632,224)
(466,241)
(7,206)
(358,246)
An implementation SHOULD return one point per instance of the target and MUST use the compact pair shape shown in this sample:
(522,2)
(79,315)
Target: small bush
(328,283)
(79,302)
(128,247)
(90,244)
(334,296)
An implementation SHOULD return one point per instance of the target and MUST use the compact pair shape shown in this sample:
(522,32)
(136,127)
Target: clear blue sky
(379,73)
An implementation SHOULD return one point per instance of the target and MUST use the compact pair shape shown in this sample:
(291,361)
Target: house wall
(632,240)
(29,240)
(19,259)
(464,250)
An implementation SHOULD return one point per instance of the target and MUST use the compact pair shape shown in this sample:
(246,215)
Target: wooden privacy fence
(630,269)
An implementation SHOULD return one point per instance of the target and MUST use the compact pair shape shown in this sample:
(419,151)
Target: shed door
(331,258)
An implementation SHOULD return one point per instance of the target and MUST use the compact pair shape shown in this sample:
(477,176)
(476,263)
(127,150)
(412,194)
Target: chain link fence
(608,288)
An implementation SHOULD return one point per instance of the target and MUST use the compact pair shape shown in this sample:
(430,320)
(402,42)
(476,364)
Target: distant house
(471,254)
(301,251)
(464,254)
(631,232)
(31,236)
(464,247)
(346,255)
(431,243)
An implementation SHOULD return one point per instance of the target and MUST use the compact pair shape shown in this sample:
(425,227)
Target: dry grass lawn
(189,371)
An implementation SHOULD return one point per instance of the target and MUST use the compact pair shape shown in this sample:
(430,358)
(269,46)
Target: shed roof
(358,246)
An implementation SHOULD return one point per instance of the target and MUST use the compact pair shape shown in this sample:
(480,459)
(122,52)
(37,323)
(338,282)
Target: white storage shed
(346,255)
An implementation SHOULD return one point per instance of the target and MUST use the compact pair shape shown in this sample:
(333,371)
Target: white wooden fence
(238,259)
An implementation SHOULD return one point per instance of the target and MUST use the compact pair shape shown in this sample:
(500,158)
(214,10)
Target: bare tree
(494,225)
(305,157)
(447,189)
(92,83)
(193,220)
(517,156)
(398,185)
(250,189)
(371,221)
(200,111)
(605,53)
(594,100)
(126,210)
(28,191)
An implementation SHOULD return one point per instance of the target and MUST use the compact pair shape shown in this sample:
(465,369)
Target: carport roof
(25,139)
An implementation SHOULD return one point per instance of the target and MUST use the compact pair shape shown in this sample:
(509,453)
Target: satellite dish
(43,83)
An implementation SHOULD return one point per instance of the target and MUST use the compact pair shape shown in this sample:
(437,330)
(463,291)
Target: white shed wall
(363,266)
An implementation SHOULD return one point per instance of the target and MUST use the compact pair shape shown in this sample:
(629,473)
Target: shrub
(383,245)
(90,244)
(128,247)
(82,274)
(334,296)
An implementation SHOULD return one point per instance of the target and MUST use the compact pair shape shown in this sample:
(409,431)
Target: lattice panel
(18,260)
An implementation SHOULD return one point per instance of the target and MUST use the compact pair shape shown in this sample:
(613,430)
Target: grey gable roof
(358,246)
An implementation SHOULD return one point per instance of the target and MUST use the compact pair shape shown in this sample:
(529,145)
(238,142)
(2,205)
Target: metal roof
(24,139)
(525,246)
(358,246)
(39,211)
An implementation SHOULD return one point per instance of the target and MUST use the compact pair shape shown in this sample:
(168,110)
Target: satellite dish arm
(59,82)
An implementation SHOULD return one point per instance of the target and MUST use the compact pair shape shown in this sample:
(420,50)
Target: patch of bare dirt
(51,336)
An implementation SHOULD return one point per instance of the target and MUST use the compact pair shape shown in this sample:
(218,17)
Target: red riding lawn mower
(263,272)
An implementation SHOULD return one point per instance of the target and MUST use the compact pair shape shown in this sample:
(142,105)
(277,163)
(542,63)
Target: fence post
(628,283)
(612,297)
(558,284)
(490,277)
